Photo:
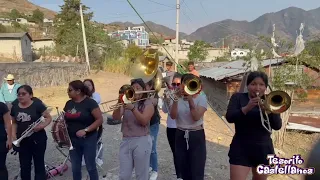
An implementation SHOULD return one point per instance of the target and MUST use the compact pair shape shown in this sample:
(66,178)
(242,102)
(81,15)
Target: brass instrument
(192,86)
(275,102)
(28,132)
(146,68)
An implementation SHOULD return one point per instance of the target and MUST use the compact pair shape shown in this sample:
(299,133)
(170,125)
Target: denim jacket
(5,95)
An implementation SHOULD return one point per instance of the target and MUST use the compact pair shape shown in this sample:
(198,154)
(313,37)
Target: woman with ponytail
(83,117)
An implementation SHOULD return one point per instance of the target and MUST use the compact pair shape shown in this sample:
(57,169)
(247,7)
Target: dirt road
(107,84)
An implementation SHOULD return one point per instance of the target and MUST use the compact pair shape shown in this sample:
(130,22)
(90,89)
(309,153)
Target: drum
(60,132)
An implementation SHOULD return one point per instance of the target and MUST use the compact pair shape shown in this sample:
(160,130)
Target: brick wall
(43,74)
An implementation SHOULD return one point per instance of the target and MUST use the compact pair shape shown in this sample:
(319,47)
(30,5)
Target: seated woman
(83,118)
(135,148)
(252,142)
(190,142)
(24,113)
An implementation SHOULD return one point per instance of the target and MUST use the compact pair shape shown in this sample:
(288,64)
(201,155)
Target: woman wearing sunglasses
(190,143)
(171,123)
(24,113)
(83,117)
(135,148)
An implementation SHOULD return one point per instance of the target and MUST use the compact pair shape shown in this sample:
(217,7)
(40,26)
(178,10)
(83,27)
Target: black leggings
(3,157)
(29,149)
(191,156)
(171,135)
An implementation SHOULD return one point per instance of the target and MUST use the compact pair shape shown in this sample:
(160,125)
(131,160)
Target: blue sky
(194,13)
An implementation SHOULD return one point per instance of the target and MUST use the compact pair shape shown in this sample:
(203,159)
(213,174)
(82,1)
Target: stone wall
(38,74)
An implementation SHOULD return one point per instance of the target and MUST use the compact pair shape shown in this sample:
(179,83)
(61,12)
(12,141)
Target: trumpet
(275,102)
(28,132)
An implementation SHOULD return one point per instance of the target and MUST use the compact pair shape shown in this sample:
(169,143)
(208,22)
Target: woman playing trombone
(135,148)
(252,142)
(190,143)
(24,113)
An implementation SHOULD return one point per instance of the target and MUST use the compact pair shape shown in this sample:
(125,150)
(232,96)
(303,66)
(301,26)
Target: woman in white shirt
(190,143)
(95,96)
(171,123)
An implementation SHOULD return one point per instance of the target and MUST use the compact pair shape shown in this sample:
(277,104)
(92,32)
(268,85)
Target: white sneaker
(99,161)
(179,179)
(153,176)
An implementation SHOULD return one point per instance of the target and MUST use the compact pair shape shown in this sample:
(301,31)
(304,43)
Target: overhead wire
(178,65)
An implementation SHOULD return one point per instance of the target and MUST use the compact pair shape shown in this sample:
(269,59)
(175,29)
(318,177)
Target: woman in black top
(5,139)
(33,147)
(83,117)
(252,142)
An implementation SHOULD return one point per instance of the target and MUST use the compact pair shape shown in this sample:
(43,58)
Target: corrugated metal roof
(231,69)
(14,35)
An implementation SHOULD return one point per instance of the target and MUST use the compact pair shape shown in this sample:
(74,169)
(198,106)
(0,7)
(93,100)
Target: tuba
(144,67)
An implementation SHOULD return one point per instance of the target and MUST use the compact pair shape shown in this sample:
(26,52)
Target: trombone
(275,102)
(144,67)
(192,86)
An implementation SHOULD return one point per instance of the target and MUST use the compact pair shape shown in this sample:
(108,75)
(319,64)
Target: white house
(239,53)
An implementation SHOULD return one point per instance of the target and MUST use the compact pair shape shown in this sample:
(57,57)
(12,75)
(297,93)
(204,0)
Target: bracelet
(133,109)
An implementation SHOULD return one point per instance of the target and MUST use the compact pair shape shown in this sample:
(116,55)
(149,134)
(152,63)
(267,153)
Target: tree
(69,31)
(155,40)
(133,51)
(14,14)
(198,51)
(38,16)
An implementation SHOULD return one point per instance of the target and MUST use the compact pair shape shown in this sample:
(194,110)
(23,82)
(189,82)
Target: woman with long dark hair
(252,142)
(5,139)
(83,117)
(190,142)
(95,96)
(24,113)
(135,148)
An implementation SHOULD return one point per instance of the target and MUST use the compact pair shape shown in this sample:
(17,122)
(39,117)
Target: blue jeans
(84,147)
(154,130)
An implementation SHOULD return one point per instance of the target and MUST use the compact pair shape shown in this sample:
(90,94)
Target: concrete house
(16,46)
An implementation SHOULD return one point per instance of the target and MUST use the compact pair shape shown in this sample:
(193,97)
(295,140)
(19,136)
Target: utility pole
(177,36)
(84,39)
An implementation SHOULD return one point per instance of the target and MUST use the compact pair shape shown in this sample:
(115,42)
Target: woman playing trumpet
(252,142)
(135,148)
(33,147)
(190,142)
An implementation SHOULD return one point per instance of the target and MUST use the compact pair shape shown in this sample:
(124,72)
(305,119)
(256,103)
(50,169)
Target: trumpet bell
(278,102)
(146,65)
(192,86)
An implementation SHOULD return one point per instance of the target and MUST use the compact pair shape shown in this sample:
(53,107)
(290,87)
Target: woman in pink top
(135,148)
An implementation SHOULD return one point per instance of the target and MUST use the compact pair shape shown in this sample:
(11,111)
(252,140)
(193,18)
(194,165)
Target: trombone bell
(192,86)
(277,102)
